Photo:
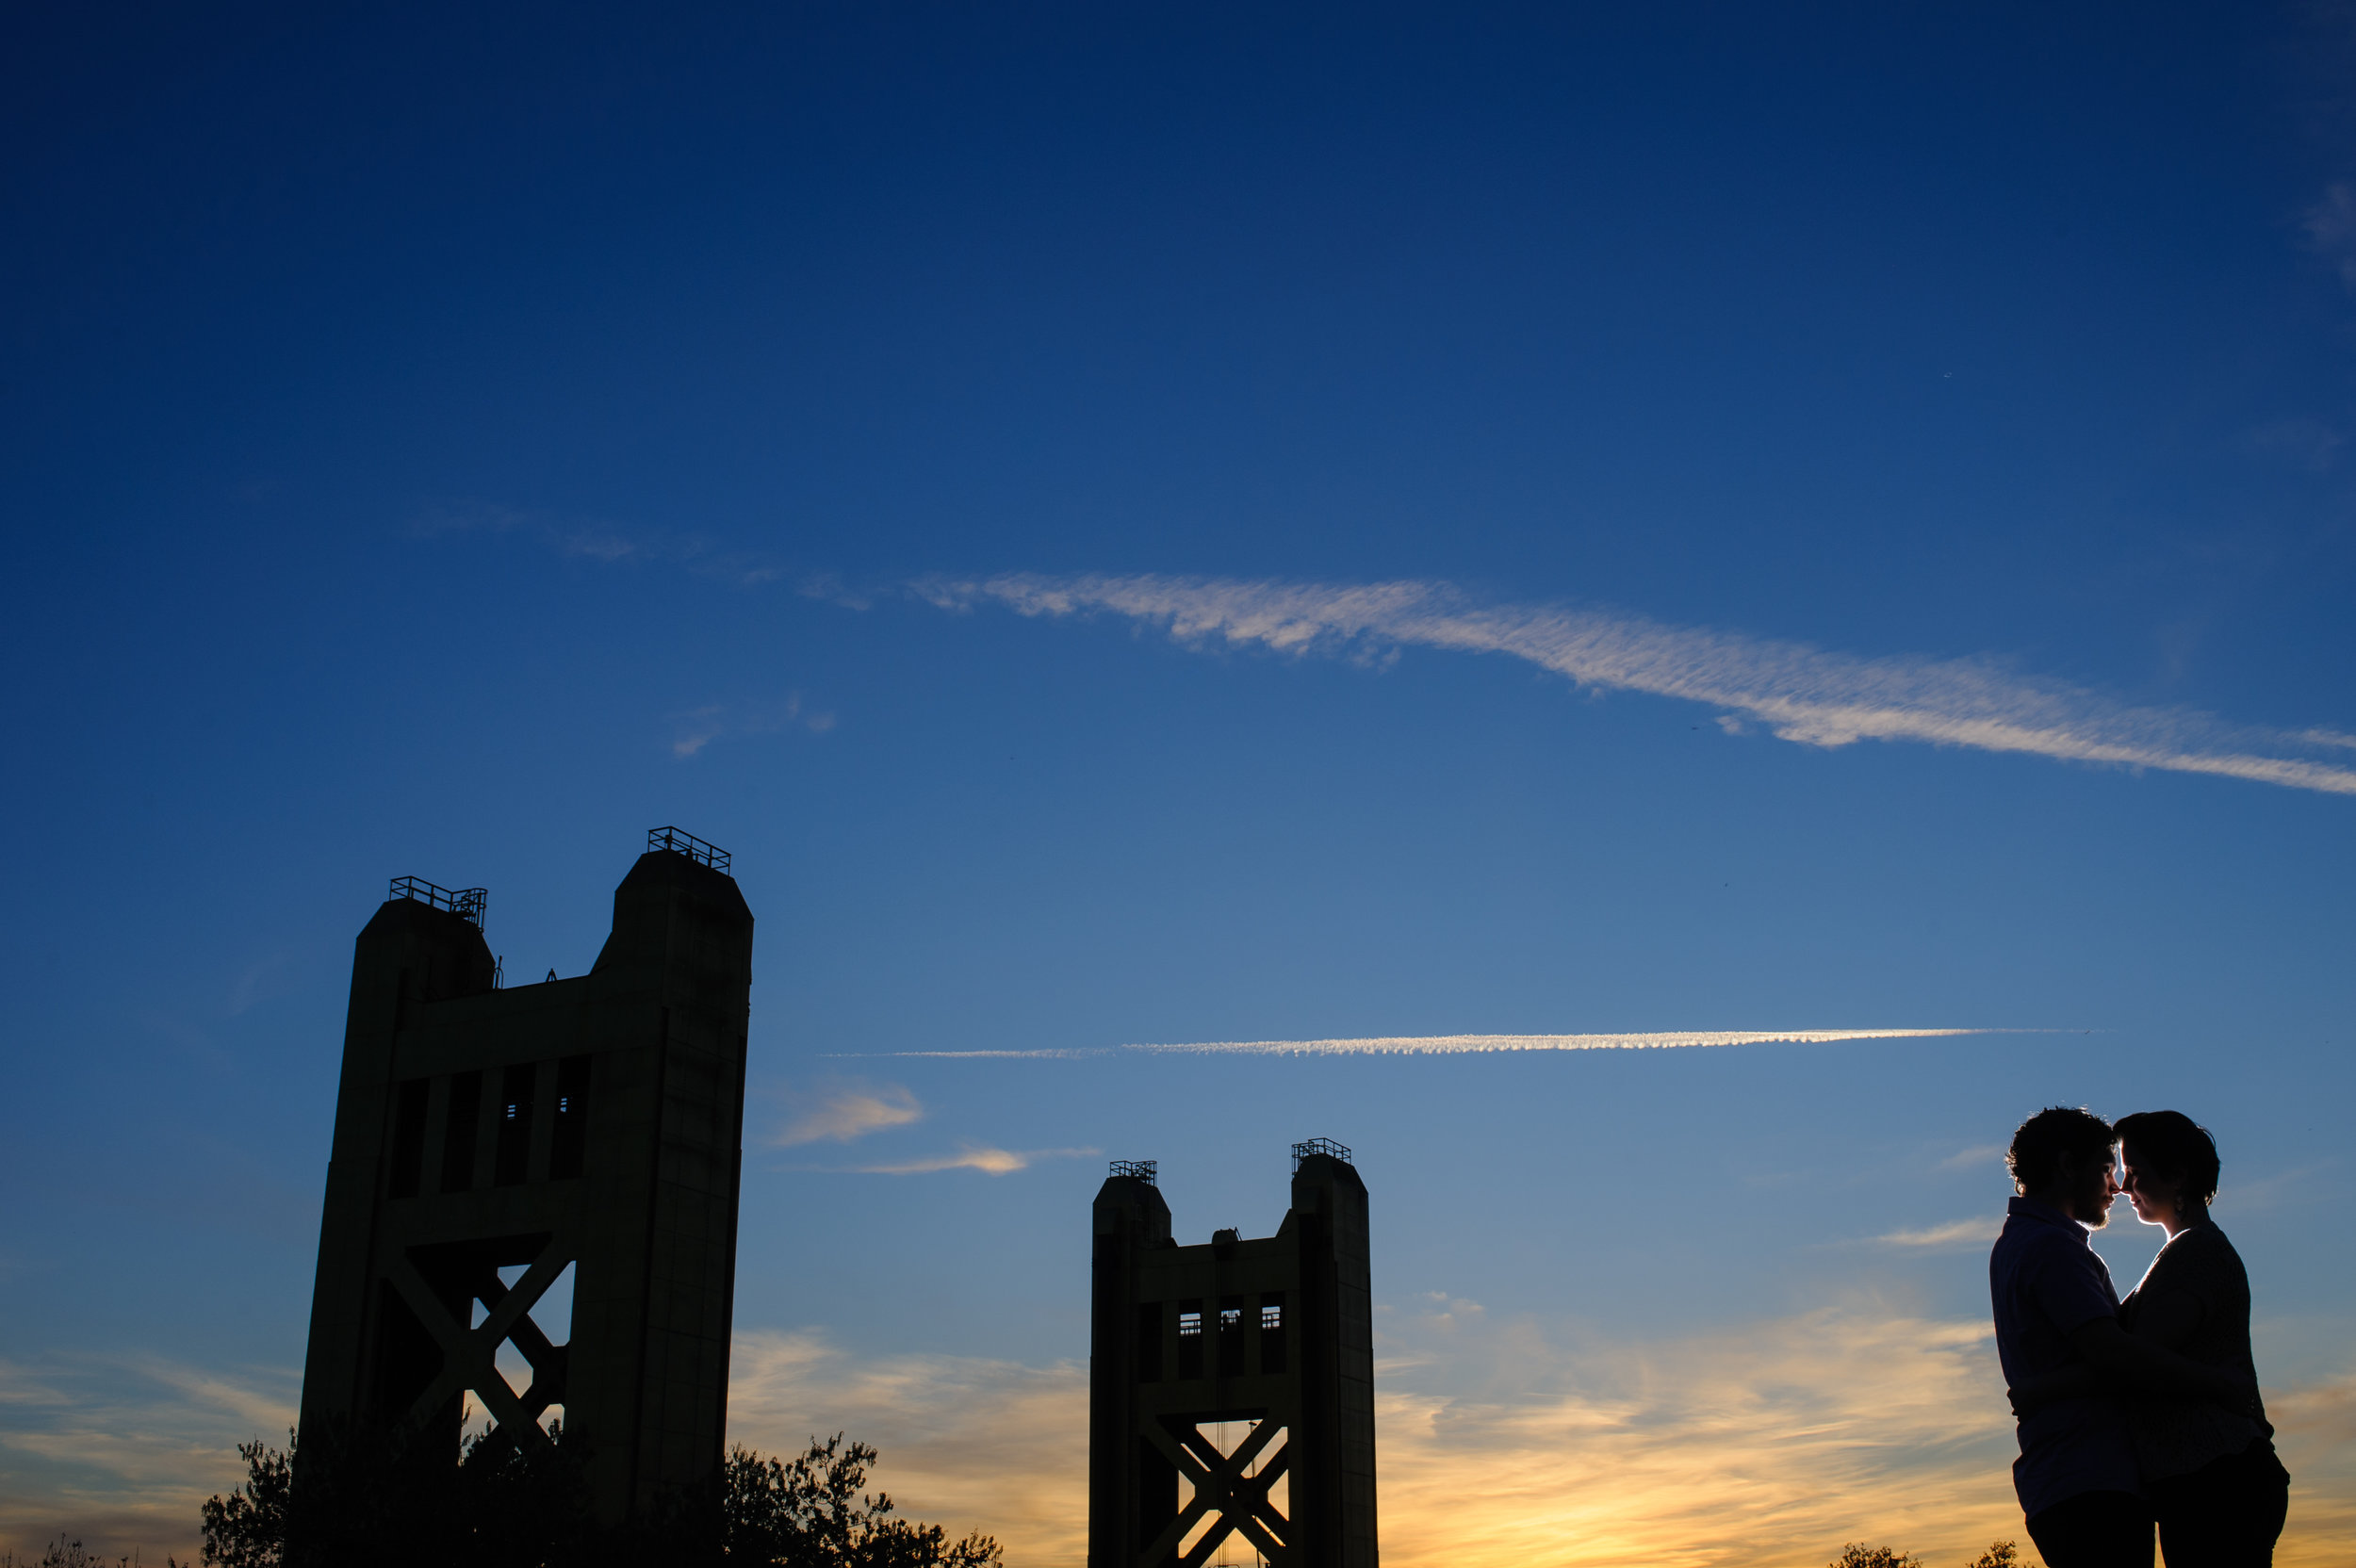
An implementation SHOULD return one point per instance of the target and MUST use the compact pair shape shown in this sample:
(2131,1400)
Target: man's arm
(2063,1382)
(2127,1364)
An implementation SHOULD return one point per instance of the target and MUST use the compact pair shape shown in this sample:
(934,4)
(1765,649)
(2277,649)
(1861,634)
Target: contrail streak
(1459,1045)
(1798,693)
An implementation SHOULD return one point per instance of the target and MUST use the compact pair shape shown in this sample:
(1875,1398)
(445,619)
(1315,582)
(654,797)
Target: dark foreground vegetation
(363,1501)
(2002,1555)
(66,1554)
(832,1482)
(366,1505)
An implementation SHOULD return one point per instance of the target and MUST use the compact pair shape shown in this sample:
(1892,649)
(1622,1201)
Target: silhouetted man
(2076,1473)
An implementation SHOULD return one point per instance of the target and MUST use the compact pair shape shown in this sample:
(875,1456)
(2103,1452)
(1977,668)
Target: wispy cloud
(260,979)
(2310,442)
(1503,1440)
(2330,227)
(1458,1045)
(2307,1179)
(595,539)
(968,1441)
(697,727)
(1763,1443)
(841,1115)
(1974,1158)
(2316,1428)
(122,1450)
(982,1157)
(1043,1054)
(1956,1233)
(1797,692)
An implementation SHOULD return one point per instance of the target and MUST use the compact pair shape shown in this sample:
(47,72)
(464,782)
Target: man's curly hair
(2038,1144)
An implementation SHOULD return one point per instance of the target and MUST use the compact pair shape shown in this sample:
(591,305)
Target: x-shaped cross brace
(1219,1482)
(467,1354)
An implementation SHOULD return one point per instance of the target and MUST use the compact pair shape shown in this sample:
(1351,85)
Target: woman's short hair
(2038,1144)
(2176,1147)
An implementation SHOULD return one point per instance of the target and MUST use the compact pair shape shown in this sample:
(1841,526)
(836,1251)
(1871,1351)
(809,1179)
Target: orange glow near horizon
(1500,1443)
(1767,1445)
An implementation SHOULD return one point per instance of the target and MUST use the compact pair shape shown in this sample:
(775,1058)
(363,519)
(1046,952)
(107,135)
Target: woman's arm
(2129,1363)
(2166,1317)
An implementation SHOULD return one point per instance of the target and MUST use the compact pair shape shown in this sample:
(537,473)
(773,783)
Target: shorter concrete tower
(490,1137)
(1270,1339)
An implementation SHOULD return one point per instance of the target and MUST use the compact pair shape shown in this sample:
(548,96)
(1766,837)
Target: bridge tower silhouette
(491,1140)
(1267,1342)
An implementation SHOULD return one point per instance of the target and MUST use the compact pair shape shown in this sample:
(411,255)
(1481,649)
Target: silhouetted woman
(2209,1472)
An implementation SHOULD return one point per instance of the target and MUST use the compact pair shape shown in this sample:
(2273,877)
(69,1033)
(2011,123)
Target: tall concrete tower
(488,1139)
(1269,1342)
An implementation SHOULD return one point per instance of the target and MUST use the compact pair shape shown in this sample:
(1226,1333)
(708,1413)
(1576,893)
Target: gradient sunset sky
(1663,618)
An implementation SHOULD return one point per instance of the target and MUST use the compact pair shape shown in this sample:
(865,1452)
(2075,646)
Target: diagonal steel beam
(1222,1486)
(469,1355)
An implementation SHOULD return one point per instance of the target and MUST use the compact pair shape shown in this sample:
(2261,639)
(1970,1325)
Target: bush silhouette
(341,1499)
(2002,1555)
(68,1554)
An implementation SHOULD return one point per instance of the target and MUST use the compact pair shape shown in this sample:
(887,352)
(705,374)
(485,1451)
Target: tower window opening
(409,1139)
(459,1123)
(1148,1342)
(569,1143)
(1230,1336)
(514,1158)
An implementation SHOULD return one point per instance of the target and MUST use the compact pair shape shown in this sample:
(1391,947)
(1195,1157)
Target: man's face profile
(2090,1188)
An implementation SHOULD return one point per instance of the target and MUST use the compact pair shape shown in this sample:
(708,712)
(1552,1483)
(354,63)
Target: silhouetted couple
(2136,1411)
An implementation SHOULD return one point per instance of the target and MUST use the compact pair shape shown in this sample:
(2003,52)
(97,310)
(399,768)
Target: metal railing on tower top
(679,842)
(1318,1146)
(1142,1170)
(466,902)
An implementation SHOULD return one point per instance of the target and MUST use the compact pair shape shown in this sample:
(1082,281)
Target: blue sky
(1173,524)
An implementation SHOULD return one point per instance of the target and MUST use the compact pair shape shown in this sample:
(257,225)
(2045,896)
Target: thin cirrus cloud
(1798,693)
(2331,229)
(1514,1441)
(699,727)
(1956,1233)
(1500,1442)
(594,540)
(982,1157)
(1458,1045)
(970,1442)
(122,1450)
(851,1112)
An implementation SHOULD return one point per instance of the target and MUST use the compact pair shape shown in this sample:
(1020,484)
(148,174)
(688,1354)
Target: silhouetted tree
(366,1499)
(809,1513)
(248,1528)
(68,1554)
(2001,1555)
(359,1497)
(1854,1555)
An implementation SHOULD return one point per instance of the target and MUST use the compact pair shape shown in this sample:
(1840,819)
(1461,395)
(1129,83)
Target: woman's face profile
(2157,1201)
